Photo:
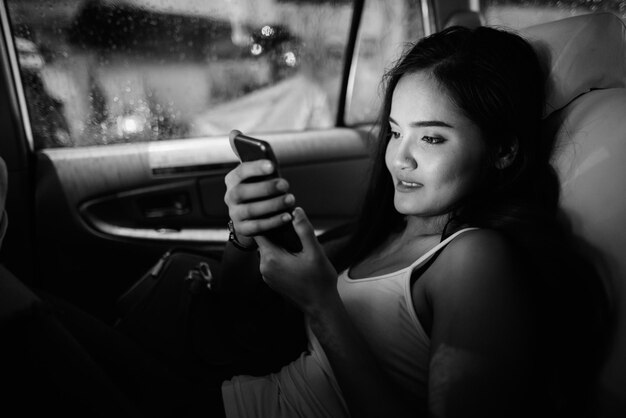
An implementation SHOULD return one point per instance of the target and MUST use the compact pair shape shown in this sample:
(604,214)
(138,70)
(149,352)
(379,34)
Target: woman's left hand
(307,278)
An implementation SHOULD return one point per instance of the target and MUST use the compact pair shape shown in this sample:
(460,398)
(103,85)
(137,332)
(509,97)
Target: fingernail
(290,199)
(286,217)
(282,185)
(268,167)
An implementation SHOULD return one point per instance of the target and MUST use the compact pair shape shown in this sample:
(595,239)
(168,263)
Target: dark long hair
(495,78)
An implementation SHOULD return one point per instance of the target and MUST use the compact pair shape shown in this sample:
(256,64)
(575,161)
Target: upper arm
(482,328)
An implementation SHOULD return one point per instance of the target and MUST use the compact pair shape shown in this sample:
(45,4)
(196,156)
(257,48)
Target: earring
(503,163)
(507,156)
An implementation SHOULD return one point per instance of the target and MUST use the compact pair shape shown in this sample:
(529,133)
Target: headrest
(580,53)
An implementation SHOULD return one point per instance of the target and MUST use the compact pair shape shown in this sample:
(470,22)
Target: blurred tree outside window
(98,72)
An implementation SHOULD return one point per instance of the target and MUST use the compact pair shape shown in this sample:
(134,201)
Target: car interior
(586,101)
(86,222)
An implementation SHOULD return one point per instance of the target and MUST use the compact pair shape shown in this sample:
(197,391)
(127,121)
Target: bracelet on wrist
(232,237)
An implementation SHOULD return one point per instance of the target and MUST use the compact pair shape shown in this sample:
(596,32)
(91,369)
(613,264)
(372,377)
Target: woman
(453,297)
(459,294)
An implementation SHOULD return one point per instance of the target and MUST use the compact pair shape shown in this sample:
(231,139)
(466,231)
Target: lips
(407,186)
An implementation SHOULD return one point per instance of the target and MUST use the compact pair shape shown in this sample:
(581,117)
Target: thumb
(304,229)
(265,245)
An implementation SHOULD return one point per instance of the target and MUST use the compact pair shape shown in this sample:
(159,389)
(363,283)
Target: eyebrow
(425,123)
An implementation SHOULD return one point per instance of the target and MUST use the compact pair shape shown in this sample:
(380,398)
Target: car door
(117,117)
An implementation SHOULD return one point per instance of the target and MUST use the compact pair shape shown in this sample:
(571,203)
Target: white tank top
(381,308)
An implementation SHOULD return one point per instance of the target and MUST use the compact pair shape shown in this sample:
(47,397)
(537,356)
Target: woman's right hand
(256,207)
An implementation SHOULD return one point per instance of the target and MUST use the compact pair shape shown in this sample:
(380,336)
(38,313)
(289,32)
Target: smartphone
(248,148)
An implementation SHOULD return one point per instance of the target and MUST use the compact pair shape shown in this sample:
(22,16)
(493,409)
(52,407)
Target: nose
(404,158)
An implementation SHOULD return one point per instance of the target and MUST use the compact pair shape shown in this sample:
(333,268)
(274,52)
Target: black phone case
(251,149)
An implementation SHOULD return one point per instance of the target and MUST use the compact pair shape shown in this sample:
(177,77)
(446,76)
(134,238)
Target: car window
(96,72)
(388,26)
(385,30)
(517,14)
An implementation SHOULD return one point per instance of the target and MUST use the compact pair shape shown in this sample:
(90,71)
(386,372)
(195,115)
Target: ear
(506,155)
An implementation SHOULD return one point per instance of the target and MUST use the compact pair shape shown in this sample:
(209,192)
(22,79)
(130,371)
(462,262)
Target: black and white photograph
(313,208)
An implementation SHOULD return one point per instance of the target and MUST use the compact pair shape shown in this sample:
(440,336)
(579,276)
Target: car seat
(586,111)
(44,369)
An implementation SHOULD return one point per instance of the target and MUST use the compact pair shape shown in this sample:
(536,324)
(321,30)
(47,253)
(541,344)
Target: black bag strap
(130,299)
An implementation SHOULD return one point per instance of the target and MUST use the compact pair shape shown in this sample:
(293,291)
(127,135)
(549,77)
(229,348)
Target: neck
(418,236)
(417,226)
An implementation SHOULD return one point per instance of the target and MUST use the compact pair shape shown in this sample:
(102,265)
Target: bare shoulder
(482,336)
(478,265)
(486,244)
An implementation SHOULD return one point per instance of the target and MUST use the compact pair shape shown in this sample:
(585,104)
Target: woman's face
(436,154)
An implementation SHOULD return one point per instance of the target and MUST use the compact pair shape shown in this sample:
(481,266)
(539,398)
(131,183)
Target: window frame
(18,98)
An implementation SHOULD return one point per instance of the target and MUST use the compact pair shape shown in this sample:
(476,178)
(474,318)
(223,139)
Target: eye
(432,139)
(394,134)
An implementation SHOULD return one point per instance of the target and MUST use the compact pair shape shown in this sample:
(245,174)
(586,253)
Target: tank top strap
(439,247)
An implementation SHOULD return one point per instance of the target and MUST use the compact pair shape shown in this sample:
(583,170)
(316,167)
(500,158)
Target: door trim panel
(93,177)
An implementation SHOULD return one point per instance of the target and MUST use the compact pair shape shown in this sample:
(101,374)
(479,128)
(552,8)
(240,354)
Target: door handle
(166,205)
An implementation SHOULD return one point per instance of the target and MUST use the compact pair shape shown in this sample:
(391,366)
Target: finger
(246,192)
(268,252)
(304,229)
(262,241)
(247,170)
(254,227)
(264,208)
